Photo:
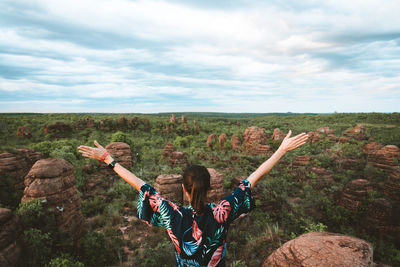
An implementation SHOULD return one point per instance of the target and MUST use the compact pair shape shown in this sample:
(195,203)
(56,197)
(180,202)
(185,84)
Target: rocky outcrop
(53,179)
(84,123)
(385,158)
(107,124)
(371,148)
(133,123)
(217,185)
(186,127)
(211,140)
(277,135)
(378,216)
(121,152)
(301,161)
(177,158)
(170,187)
(222,139)
(196,127)
(392,185)
(322,249)
(322,133)
(173,119)
(354,193)
(235,142)
(122,122)
(169,148)
(10,238)
(57,127)
(18,164)
(24,132)
(324,178)
(325,131)
(254,141)
(358,133)
(183,119)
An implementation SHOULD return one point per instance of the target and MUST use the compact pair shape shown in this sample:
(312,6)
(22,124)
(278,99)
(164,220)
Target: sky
(125,56)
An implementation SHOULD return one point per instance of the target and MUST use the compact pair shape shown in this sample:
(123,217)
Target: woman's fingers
(97,144)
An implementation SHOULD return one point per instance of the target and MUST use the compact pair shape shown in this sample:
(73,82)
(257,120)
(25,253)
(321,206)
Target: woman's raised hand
(92,152)
(290,143)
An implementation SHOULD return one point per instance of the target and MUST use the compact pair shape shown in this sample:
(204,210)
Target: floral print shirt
(199,240)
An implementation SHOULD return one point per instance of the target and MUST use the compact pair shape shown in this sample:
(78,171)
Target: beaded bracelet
(104,156)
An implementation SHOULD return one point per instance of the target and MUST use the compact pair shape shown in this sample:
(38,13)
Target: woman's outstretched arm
(98,151)
(287,145)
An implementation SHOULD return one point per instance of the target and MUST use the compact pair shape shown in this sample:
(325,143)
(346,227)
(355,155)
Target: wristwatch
(112,164)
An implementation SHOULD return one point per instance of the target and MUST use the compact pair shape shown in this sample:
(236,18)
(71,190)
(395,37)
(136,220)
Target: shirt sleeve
(156,210)
(238,204)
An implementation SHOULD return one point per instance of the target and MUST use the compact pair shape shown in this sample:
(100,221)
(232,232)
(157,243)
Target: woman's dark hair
(196,180)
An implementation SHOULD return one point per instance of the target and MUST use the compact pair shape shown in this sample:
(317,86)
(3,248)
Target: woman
(199,231)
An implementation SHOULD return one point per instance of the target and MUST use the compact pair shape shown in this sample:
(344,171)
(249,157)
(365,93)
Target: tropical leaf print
(216,257)
(165,216)
(175,207)
(174,240)
(189,247)
(142,197)
(196,232)
(155,202)
(221,211)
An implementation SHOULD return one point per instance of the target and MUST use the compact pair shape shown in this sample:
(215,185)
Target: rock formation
(378,216)
(392,185)
(254,141)
(371,148)
(301,161)
(177,158)
(133,123)
(107,124)
(222,139)
(169,148)
(321,133)
(173,119)
(354,193)
(217,185)
(53,179)
(18,164)
(212,138)
(122,153)
(196,127)
(385,158)
(170,187)
(24,132)
(183,119)
(57,127)
(322,249)
(122,122)
(84,123)
(235,142)
(186,127)
(325,131)
(324,178)
(277,135)
(10,238)
(358,133)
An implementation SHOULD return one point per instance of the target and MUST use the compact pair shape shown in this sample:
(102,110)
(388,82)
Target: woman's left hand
(92,152)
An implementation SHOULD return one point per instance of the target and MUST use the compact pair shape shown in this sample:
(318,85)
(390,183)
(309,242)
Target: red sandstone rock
(183,119)
(53,179)
(354,193)
(325,131)
(186,127)
(18,164)
(277,135)
(107,124)
(11,243)
(84,123)
(173,119)
(378,216)
(222,139)
(169,148)
(217,185)
(324,178)
(196,127)
(170,187)
(371,148)
(133,123)
(122,153)
(358,132)
(24,131)
(322,249)
(255,141)
(57,127)
(235,142)
(212,138)
(301,161)
(177,158)
(385,158)
(122,122)
(392,185)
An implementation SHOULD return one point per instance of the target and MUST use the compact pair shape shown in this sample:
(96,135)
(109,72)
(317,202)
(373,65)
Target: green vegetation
(289,203)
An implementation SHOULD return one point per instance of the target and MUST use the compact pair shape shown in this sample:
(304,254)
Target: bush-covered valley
(305,192)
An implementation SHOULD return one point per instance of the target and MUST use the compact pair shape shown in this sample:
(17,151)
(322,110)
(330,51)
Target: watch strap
(112,164)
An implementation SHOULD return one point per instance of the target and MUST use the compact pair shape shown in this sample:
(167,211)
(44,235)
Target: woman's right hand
(290,143)
(92,152)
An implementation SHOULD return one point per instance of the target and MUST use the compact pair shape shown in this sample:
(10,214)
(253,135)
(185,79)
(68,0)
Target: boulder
(177,158)
(325,131)
(183,119)
(392,185)
(24,132)
(354,193)
(57,127)
(173,119)
(254,141)
(385,158)
(301,161)
(222,139)
(53,179)
(133,123)
(324,178)
(217,185)
(121,152)
(122,122)
(322,249)
(235,142)
(170,187)
(11,238)
(371,148)
(378,217)
(358,133)
(18,164)
(169,148)
(211,139)
(277,135)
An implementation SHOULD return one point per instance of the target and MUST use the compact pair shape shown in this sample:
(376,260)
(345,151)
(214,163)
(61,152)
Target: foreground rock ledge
(322,249)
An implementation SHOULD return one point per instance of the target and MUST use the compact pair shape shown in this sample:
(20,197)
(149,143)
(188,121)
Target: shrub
(33,213)
(65,152)
(9,196)
(39,247)
(64,262)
